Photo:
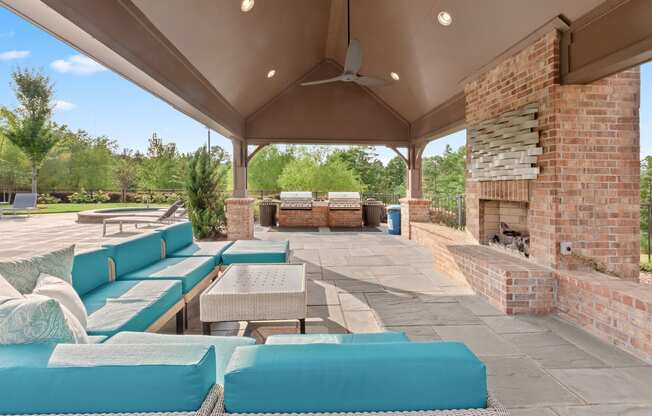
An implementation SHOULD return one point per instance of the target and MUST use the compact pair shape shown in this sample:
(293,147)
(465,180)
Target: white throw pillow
(33,319)
(7,290)
(22,274)
(62,291)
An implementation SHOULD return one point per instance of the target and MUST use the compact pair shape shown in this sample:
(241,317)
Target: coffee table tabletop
(256,292)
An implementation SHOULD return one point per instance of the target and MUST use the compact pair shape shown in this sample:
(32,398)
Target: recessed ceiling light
(247,5)
(271,73)
(445,19)
(394,76)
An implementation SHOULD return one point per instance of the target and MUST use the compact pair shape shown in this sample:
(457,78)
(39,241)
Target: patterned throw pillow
(7,290)
(23,273)
(36,319)
(58,289)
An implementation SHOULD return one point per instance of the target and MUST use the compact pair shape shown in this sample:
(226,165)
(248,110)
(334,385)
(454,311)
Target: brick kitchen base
(349,218)
(315,217)
(615,310)
(240,218)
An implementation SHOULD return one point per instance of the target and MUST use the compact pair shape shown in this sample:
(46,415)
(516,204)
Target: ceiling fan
(352,63)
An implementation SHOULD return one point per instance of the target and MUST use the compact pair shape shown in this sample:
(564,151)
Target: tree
(308,172)
(126,173)
(29,126)
(205,199)
(364,162)
(395,176)
(266,167)
(444,174)
(162,168)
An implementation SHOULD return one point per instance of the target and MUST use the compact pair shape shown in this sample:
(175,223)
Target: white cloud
(78,65)
(11,55)
(61,105)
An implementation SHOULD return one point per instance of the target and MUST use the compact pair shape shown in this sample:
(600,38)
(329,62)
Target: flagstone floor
(371,281)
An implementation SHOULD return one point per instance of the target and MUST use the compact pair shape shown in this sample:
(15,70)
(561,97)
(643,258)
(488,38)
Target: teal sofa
(114,306)
(178,242)
(143,258)
(257,251)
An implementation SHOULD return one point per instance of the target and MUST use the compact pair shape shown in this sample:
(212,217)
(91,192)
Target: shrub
(48,199)
(205,202)
(81,197)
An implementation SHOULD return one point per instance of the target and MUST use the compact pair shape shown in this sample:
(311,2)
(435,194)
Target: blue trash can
(394,219)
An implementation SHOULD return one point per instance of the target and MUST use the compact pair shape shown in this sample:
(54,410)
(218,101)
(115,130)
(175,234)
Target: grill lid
(296,200)
(344,200)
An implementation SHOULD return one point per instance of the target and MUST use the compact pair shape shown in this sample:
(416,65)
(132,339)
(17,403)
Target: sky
(92,98)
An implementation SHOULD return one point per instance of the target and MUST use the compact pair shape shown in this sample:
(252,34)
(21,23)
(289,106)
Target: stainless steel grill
(296,200)
(344,200)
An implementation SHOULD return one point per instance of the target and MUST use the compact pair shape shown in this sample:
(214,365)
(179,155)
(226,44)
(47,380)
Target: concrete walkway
(365,282)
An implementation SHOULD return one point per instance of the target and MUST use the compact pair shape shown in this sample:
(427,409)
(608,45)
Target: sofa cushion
(57,289)
(337,338)
(224,346)
(354,378)
(188,270)
(104,378)
(7,290)
(22,274)
(136,253)
(33,319)
(91,269)
(257,251)
(176,236)
(129,305)
(204,249)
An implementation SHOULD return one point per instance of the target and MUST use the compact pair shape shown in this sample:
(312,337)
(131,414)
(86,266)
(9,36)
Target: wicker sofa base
(213,405)
(494,409)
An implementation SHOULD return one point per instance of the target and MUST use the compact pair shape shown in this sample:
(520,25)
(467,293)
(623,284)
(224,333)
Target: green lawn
(61,208)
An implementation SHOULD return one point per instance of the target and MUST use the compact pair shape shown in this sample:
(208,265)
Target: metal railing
(449,210)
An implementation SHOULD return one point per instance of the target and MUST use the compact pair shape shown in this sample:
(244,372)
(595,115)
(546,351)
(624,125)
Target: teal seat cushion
(176,236)
(337,338)
(384,377)
(90,269)
(224,346)
(204,249)
(129,305)
(136,253)
(257,251)
(188,270)
(103,378)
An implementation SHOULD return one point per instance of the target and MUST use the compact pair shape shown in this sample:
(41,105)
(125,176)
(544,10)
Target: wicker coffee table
(256,292)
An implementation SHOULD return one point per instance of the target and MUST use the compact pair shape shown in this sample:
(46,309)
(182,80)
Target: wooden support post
(239,168)
(414,162)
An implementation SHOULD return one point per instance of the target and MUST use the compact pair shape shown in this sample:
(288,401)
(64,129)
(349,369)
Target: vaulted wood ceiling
(210,60)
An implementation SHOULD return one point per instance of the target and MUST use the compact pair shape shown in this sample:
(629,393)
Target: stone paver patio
(363,282)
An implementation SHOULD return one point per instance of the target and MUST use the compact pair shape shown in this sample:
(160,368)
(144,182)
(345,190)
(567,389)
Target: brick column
(413,210)
(240,218)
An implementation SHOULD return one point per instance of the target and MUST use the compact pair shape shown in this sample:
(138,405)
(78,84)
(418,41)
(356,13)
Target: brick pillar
(240,218)
(413,210)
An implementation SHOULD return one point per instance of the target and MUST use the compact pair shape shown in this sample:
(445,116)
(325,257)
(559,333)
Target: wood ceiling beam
(613,37)
(123,28)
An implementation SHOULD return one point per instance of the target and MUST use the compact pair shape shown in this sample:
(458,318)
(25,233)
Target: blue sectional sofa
(113,306)
(178,242)
(257,251)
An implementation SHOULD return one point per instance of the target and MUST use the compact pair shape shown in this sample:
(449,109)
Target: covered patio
(549,94)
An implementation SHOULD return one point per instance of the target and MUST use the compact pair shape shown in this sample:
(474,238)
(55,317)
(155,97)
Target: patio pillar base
(240,218)
(413,210)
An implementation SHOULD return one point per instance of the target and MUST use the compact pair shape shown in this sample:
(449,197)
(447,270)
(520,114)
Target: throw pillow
(23,273)
(58,289)
(7,290)
(36,319)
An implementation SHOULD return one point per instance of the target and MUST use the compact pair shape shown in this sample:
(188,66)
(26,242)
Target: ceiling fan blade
(323,81)
(353,61)
(370,82)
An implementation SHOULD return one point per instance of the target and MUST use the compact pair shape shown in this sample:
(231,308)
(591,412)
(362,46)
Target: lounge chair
(22,202)
(165,218)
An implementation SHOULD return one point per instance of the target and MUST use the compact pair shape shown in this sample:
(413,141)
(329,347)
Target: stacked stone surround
(587,192)
(240,218)
(315,217)
(513,285)
(413,210)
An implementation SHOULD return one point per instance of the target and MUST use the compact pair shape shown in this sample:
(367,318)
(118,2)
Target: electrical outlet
(566,248)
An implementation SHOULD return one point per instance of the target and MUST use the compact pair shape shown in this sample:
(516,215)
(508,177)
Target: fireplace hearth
(504,226)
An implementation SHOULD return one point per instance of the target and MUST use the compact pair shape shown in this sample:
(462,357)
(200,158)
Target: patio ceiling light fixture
(394,76)
(445,19)
(271,73)
(247,5)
